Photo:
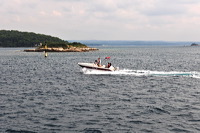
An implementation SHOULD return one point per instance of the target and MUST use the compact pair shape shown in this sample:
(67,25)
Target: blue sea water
(157,89)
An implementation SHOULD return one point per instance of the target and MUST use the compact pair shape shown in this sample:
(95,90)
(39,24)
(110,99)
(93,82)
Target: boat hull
(95,67)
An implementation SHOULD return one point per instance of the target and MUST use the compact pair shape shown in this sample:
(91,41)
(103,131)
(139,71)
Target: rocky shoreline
(72,49)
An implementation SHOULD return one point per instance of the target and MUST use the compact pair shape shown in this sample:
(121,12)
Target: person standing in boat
(95,62)
(99,62)
(109,65)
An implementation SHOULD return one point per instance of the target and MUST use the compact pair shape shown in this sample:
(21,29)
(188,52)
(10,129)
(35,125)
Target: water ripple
(153,92)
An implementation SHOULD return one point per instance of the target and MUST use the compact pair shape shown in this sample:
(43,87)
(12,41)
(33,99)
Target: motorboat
(96,67)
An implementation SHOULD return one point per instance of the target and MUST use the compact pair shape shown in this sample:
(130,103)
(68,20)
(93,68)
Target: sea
(155,90)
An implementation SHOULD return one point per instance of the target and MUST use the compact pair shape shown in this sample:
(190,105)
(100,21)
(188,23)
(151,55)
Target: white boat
(96,67)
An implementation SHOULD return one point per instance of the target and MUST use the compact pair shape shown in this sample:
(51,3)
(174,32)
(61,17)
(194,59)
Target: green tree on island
(13,38)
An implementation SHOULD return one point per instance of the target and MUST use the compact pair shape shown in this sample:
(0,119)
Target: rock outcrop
(71,49)
(194,44)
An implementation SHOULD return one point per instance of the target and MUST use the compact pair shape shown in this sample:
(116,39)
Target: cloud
(57,13)
(103,19)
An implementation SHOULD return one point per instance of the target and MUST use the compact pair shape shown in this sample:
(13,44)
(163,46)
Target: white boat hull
(95,67)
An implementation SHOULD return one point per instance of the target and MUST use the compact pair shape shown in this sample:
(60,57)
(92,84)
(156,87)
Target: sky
(147,20)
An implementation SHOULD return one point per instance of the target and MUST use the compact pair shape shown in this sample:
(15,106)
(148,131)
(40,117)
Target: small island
(13,38)
(194,44)
(61,47)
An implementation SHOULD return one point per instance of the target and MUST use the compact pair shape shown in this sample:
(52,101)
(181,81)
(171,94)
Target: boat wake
(141,73)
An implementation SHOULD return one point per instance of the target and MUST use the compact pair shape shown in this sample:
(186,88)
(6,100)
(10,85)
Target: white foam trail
(142,73)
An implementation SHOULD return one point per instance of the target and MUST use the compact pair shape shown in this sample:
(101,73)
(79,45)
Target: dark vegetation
(195,44)
(13,38)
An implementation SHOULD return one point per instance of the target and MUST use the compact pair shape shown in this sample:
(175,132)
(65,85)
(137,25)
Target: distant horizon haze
(132,42)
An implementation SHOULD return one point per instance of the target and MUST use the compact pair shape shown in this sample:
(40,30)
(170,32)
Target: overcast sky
(167,20)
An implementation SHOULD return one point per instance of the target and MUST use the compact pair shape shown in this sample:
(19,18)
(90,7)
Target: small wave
(180,130)
(90,130)
(139,122)
(18,131)
(52,125)
(142,73)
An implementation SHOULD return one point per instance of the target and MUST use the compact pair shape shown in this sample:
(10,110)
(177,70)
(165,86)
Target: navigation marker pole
(45,51)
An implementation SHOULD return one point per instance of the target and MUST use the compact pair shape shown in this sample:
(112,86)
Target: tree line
(14,38)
